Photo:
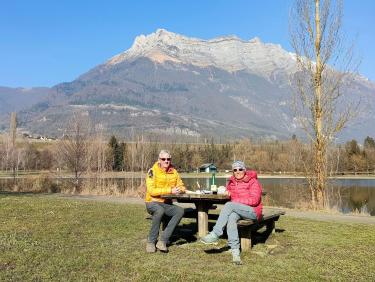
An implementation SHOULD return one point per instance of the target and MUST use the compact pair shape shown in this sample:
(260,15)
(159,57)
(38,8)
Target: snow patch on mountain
(245,102)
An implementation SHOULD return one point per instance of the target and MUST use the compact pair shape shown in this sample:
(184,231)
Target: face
(164,161)
(238,173)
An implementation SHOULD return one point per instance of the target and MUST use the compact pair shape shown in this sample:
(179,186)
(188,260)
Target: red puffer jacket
(247,191)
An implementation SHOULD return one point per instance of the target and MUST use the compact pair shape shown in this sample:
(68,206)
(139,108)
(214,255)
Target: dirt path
(321,216)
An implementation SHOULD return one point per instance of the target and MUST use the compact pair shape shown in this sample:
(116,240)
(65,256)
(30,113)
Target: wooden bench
(247,227)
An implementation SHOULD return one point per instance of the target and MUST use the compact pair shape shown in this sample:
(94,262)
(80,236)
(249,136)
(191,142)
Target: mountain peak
(255,40)
(167,37)
(230,53)
(163,32)
(161,35)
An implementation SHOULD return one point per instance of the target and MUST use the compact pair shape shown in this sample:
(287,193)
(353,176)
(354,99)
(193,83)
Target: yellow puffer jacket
(160,182)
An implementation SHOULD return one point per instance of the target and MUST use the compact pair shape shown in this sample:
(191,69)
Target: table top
(189,198)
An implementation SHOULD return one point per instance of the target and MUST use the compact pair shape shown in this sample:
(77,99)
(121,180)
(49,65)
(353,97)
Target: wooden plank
(268,215)
(245,239)
(209,197)
(246,222)
(202,218)
(202,224)
(274,215)
(267,211)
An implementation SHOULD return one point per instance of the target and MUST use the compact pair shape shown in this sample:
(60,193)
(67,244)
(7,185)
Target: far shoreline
(127,174)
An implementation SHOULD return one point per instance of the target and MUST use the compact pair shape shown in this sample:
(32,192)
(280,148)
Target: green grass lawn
(44,238)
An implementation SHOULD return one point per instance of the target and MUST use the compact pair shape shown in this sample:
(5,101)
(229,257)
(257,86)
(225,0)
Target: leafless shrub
(73,148)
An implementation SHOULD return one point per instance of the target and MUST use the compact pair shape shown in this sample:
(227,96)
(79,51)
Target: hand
(176,190)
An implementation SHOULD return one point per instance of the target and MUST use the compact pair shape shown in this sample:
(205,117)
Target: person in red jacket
(245,193)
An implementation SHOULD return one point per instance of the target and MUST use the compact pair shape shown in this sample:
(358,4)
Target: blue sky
(43,43)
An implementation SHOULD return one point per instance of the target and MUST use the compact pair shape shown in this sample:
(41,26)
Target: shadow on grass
(257,237)
(217,250)
(184,234)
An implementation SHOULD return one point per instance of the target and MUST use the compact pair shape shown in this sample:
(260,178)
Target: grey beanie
(238,164)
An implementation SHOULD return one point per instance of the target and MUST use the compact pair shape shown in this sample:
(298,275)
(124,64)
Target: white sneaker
(236,258)
(162,246)
(150,248)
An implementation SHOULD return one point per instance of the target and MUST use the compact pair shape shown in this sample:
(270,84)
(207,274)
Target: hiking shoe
(210,238)
(150,248)
(162,246)
(236,258)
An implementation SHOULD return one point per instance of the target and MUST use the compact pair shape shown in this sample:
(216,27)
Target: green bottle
(213,179)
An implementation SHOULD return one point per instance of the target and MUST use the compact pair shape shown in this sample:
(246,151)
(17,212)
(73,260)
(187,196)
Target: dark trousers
(158,210)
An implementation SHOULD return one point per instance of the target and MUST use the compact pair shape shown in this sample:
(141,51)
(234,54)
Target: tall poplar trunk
(320,144)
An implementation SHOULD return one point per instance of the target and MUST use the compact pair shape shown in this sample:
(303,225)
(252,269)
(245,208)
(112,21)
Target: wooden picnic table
(203,202)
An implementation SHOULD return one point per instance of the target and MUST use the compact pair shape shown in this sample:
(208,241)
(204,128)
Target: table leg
(202,219)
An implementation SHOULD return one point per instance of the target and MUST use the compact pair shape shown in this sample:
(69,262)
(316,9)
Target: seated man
(162,179)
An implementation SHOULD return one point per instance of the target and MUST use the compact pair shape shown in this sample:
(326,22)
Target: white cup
(221,190)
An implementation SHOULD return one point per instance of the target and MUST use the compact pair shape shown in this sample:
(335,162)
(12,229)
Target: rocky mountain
(168,84)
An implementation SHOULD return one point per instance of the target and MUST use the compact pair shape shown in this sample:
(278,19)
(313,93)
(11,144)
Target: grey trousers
(158,210)
(229,216)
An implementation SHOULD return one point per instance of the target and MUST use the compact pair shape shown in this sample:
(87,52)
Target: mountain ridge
(168,84)
(250,55)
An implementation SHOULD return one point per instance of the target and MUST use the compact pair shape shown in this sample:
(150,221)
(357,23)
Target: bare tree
(196,160)
(73,147)
(96,159)
(99,147)
(12,152)
(325,66)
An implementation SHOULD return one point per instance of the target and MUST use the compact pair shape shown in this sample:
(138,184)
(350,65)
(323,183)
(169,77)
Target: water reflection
(344,195)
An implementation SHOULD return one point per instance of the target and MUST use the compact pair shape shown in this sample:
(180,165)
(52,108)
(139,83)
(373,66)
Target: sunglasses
(239,169)
(166,159)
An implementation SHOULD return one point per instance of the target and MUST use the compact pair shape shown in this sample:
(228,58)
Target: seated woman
(245,193)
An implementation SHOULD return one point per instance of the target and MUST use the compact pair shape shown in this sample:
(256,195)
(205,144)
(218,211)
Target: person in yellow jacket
(162,179)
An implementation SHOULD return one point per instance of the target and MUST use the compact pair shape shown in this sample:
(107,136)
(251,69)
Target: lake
(344,195)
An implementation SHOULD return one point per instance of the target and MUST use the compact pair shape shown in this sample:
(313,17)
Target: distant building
(210,167)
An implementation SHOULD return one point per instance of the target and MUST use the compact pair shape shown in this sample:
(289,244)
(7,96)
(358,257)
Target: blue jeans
(158,210)
(229,216)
